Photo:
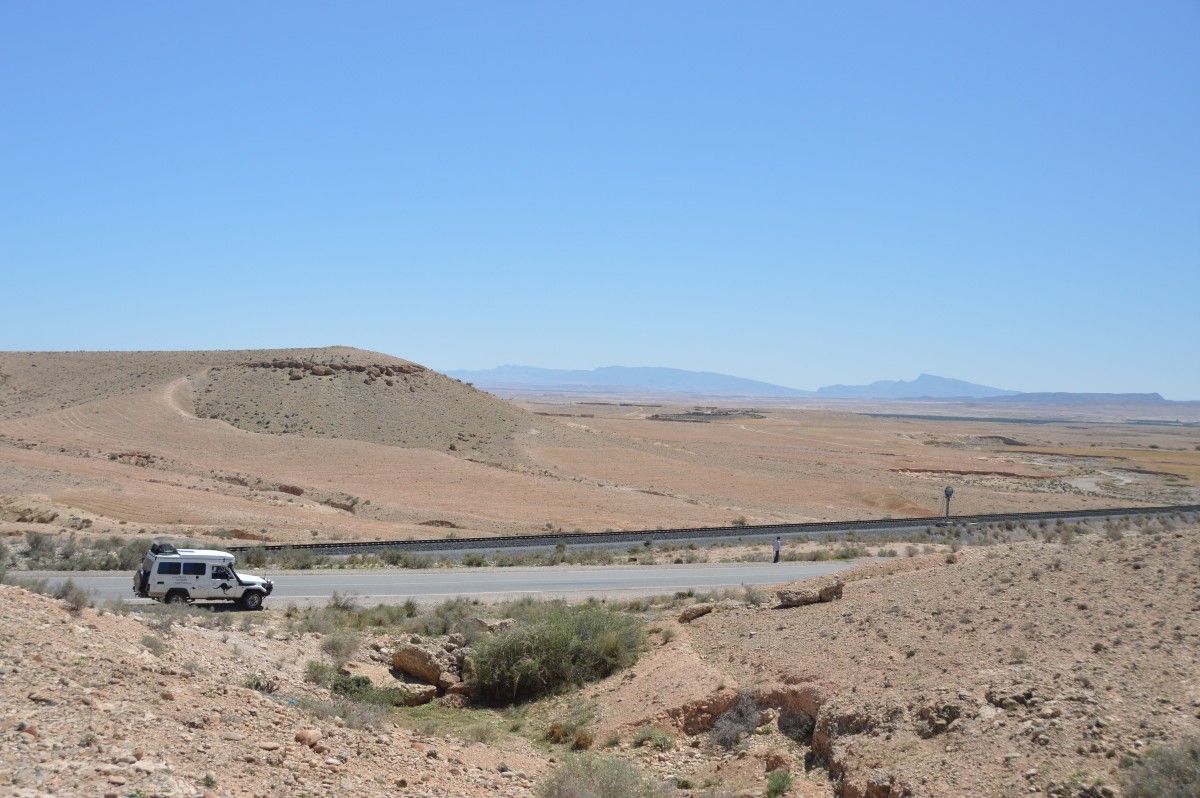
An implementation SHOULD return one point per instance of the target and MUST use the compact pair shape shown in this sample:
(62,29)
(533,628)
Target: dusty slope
(88,708)
(204,472)
(1016,669)
(336,392)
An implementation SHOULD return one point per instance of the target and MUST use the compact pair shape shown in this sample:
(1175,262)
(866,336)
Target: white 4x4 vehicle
(177,576)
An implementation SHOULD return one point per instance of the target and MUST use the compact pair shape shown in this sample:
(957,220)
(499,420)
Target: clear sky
(804,193)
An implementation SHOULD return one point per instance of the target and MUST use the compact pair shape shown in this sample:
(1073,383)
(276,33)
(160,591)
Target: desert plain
(1039,659)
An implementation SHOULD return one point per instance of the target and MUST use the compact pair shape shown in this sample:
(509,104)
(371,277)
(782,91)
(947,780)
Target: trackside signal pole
(949,492)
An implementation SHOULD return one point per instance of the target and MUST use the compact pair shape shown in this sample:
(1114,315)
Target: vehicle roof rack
(163,548)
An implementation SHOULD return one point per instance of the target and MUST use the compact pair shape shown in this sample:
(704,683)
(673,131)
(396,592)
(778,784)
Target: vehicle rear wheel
(252,600)
(177,597)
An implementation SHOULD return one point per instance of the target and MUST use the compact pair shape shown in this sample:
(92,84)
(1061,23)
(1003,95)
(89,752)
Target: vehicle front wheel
(177,597)
(252,600)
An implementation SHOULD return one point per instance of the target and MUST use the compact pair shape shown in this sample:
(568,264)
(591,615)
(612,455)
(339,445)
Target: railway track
(836,529)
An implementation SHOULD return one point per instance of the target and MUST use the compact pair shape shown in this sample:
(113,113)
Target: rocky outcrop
(390,679)
(798,594)
(441,664)
(301,367)
(700,716)
(419,662)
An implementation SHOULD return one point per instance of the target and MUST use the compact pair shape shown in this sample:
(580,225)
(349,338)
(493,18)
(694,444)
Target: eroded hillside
(1050,667)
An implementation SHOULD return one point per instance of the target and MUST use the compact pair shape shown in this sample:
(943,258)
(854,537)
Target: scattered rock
(694,611)
(799,594)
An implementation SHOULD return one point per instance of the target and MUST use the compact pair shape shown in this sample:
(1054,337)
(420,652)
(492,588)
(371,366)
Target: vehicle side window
(168,568)
(220,572)
(193,569)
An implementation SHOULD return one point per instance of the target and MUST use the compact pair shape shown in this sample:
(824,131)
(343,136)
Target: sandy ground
(262,446)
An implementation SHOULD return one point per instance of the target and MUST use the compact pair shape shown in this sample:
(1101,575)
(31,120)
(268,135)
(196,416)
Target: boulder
(777,760)
(800,593)
(378,674)
(309,737)
(476,627)
(416,694)
(416,661)
(693,612)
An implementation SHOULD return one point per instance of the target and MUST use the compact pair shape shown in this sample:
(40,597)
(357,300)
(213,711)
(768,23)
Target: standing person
(778,546)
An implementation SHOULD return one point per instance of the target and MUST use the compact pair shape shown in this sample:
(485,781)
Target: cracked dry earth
(1017,669)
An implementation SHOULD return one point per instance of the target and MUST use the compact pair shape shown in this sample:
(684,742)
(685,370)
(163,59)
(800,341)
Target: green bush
(361,689)
(255,557)
(405,559)
(1165,772)
(595,777)
(443,618)
(319,673)
(652,736)
(39,546)
(76,597)
(778,783)
(567,646)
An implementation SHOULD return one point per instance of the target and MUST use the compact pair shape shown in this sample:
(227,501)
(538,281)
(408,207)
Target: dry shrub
(340,646)
(595,777)
(742,719)
(1166,772)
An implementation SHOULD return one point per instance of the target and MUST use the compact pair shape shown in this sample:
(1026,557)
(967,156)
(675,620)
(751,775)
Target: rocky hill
(351,394)
(334,392)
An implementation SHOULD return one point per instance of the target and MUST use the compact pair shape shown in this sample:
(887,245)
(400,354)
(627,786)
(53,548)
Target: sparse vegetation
(652,737)
(153,644)
(597,777)
(1165,772)
(340,646)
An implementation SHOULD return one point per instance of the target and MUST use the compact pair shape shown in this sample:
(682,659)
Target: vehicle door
(195,575)
(221,583)
(168,575)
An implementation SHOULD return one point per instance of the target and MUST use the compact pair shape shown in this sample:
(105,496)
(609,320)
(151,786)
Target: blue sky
(798,192)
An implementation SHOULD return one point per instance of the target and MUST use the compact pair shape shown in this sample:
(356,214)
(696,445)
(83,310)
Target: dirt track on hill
(297,445)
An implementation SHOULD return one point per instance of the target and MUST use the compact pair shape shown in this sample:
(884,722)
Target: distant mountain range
(616,378)
(926,386)
(624,379)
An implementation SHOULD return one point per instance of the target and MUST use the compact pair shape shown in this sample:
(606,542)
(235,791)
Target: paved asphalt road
(396,586)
